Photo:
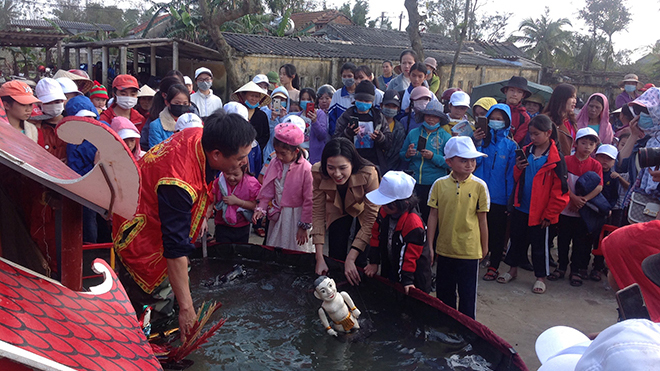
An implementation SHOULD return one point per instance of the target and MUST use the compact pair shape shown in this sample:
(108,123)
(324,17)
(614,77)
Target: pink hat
(124,127)
(289,133)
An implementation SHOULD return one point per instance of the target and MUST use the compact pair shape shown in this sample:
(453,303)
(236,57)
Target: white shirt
(207,104)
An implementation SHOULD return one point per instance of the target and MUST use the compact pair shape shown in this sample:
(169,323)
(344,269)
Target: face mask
(389,112)
(645,122)
(496,124)
(126,102)
(179,109)
(630,88)
(304,103)
(251,106)
(362,106)
(428,72)
(52,110)
(420,104)
(430,127)
(204,85)
(348,82)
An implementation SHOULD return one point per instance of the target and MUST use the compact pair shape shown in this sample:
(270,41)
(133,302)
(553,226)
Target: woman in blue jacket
(427,163)
(177,103)
(497,171)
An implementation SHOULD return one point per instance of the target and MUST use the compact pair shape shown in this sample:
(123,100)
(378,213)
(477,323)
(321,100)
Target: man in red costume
(154,246)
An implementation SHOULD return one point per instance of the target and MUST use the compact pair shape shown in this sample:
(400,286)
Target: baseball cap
(461,147)
(586,132)
(609,150)
(391,97)
(273,77)
(260,78)
(188,120)
(460,99)
(123,82)
(68,86)
(395,185)
(187,80)
(560,348)
(49,90)
(235,107)
(202,70)
(18,91)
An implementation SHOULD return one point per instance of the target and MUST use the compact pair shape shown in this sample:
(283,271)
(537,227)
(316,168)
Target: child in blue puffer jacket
(497,171)
(428,163)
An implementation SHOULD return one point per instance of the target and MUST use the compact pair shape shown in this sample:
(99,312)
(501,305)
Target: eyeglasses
(204,80)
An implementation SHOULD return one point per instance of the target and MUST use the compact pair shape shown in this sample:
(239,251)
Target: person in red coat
(515,91)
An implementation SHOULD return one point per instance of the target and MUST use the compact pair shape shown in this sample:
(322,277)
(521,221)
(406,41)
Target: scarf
(167,120)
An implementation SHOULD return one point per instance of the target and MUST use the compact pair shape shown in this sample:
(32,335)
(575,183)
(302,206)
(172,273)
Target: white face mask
(126,102)
(52,110)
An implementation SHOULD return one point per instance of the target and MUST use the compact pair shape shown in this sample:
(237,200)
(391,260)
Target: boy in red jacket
(515,91)
(398,235)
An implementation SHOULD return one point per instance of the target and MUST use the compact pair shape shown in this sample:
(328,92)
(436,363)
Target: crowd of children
(459,182)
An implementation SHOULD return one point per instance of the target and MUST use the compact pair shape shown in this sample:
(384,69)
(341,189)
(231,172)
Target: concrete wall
(467,77)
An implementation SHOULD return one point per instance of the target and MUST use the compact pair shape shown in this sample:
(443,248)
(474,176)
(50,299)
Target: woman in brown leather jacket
(341,181)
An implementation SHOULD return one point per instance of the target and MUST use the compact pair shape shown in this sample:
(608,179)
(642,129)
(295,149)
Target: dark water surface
(273,324)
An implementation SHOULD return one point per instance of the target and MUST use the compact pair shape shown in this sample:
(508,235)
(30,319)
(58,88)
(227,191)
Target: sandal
(557,275)
(491,274)
(261,232)
(576,280)
(505,278)
(539,287)
(583,274)
(595,275)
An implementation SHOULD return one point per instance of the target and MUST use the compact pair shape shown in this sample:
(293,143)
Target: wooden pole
(175,55)
(152,60)
(104,65)
(123,55)
(59,54)
(136,64)
(90,62)
(77,58)
(71,244)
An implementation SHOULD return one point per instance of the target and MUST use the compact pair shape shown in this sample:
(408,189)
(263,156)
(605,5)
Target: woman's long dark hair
(556,108)
(175,90)
(290,71)
(346,148)
(159,99)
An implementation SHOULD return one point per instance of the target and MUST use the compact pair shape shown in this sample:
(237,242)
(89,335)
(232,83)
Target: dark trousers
(573,229)
(497,219)
(339,233)
(90,226)
(227,234)
(458,275)
(522,235)
(422,192)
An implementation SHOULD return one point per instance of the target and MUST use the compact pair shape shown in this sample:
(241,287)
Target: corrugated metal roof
(318,48)
(382,37)
(68,25)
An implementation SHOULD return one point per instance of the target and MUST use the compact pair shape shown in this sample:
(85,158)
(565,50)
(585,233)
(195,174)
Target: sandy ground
(519,316)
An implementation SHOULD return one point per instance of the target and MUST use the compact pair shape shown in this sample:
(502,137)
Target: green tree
(544,39)
(9,11)
(357,14)
(280,7)
(608,17)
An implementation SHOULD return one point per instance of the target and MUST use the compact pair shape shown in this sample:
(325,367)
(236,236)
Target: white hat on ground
(461,147)
(395,185)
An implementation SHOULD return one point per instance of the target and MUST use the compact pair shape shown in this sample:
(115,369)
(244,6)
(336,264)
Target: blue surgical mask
(362,106)
(389,112)
(251,106)
(630,88)
(430,127)
(304,103)
(496,124)
(645,122)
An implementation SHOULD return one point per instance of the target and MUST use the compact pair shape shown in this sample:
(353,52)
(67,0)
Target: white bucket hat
(49,90)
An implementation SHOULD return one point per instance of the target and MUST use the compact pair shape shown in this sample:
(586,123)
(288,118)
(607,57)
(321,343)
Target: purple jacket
(623,99)
(318,136)
(297,187)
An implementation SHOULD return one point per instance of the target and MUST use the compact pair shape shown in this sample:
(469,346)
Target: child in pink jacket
(286,194)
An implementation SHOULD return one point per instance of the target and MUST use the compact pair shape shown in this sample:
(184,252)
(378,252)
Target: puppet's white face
(327,289)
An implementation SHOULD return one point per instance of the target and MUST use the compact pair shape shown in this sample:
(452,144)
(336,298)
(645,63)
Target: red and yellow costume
(179,160)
